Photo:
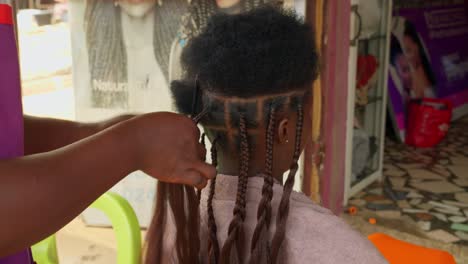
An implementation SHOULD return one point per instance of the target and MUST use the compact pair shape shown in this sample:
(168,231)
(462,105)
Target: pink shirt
(313,235)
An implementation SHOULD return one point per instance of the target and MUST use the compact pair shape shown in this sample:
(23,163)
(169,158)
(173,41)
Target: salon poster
(428,56)
(125,53)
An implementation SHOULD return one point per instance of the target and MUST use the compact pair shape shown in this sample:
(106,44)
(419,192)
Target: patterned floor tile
(428,188)
(459,171)
(424,174)
(443,236)
(462,197)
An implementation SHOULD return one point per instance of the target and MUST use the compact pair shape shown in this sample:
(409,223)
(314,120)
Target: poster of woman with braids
(121,55)
(122,49)
(125,48)
(428,57)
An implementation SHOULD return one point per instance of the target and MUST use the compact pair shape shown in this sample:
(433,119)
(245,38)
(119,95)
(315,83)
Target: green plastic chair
(124,222)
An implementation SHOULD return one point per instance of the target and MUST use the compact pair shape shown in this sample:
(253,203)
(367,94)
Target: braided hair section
(107,59)
(213,245)
(260,234)
(232,250)
(283,210)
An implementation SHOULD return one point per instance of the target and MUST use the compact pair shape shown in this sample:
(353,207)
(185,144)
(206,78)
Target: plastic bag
(361,152)
(428,122)
(371,14)
(366,76)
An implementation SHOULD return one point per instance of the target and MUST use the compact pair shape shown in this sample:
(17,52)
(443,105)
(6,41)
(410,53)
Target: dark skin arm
(41,193)
(46,134)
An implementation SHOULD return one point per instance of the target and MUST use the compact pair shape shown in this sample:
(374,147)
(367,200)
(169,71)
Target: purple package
(428,57)
(11,114)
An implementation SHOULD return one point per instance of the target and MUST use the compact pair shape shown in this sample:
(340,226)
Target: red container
(6,15)
(428,122)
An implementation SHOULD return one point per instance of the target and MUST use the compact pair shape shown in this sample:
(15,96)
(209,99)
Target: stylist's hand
(169,149)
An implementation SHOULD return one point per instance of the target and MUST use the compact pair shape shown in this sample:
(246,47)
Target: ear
(283,132)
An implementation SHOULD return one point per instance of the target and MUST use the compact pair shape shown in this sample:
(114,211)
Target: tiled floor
(424,192)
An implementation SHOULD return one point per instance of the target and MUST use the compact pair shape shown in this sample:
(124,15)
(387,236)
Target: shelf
(371,116)
(363,183)
(367,171)
(371,100)
(376,37)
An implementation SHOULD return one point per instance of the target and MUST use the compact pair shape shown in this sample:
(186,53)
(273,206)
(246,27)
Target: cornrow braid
(235,231)
(264,207)
(213,246)
(283,209)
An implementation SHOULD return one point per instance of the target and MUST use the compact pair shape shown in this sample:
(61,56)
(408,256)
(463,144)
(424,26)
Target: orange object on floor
(372,221)
(401,252)
(352,210)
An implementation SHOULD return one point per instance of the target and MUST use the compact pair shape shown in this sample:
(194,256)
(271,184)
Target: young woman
(128,44)
(422,76)
(249,77)
(403,79)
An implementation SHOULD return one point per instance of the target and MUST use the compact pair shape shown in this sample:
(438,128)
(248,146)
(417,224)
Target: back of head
(263,52)
(246,64)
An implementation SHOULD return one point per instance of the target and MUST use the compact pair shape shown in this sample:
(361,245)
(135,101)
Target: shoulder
(317,234)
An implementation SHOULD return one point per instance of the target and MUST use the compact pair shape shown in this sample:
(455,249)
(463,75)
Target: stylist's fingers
(193,128)
(201,151)
(206,170)
(193,178)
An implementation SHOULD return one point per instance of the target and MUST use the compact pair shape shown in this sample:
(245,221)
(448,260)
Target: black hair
(265,51)
(395,49)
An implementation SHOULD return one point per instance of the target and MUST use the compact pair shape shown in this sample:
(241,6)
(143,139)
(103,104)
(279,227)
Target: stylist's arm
(41,193)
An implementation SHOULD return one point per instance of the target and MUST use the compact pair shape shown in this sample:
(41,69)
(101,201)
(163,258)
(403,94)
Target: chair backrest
(400,252)
(124,222)
(45,252)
